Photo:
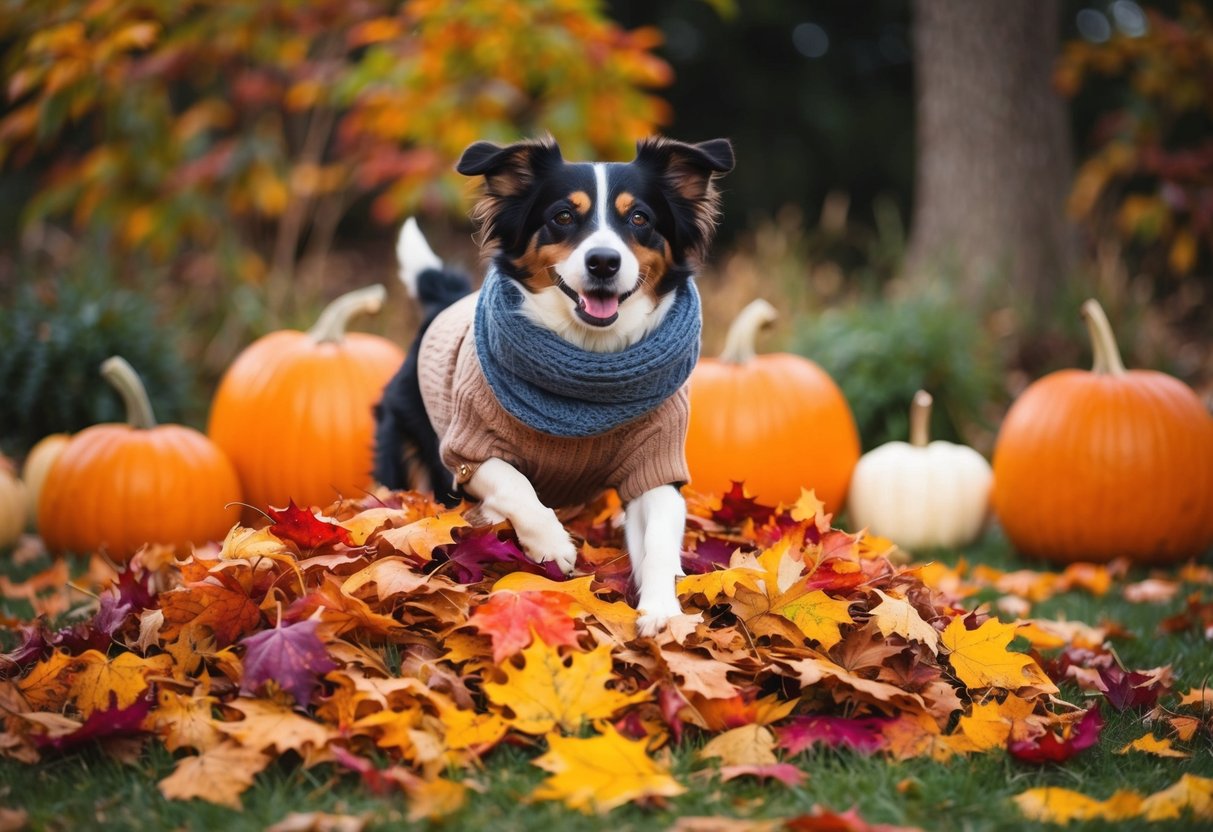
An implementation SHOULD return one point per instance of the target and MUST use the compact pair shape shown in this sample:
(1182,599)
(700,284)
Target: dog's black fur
(403,433)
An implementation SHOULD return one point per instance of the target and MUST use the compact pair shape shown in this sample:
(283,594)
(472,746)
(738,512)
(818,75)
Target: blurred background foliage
(205,172)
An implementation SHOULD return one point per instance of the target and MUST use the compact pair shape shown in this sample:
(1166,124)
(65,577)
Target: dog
(566,373)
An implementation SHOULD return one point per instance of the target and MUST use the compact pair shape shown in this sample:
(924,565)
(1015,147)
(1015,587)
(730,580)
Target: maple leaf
(701,674)
(218,603)
(103,723)
(321,822)
(218,775)
(709,553)
(617,616)
(864,734)
(291,655)
(185,721)
(422,537)
(981,659)
(815,614)
(267,725)
(1190,792)
(304,529)
(747,745)
(1050,748)
(551,691)
(823,820)
(785,773)
(1133,690)
(45,687)
(99,683)
(1051,804)
(738,506)
(597,774)
(477,549)
(988,724)
(511,620)
(898,616)
(1149,744)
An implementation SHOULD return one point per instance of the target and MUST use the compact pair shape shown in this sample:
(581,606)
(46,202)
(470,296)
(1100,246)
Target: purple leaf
(293,656)
(473,552)
(1049,748)
(709,554)
(1131,690)
(864,735)
(34,646)
(106,724)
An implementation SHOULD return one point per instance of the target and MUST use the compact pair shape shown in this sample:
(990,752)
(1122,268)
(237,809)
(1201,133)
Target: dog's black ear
(687,173)
(509,172)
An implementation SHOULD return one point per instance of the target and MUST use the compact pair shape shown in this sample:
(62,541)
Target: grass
(91,791)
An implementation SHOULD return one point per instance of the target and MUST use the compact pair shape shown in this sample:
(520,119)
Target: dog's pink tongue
(600,307)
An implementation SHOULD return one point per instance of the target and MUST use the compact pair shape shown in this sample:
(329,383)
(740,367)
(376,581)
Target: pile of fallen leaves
(389,638)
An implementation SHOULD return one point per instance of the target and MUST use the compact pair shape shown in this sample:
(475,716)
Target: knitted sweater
(473,427)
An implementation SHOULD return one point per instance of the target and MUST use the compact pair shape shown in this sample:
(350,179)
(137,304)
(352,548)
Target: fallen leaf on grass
(1149,744)
(320,822)
(1190,793)
(597,774)
(981,659)
(1053,748)
(218,775)
(1051,804)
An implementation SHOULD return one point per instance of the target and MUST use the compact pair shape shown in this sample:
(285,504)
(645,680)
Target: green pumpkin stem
(123,378)
(739,342)
(920,419)
(330,326)
(1103,342)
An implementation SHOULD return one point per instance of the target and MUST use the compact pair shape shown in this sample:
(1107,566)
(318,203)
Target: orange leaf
(219,775)
(216,603)
(98,679)
(511,619)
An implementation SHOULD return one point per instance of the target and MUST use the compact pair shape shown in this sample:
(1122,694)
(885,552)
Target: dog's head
(598,246)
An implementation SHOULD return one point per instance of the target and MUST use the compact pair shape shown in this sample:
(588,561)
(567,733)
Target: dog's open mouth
(598,310)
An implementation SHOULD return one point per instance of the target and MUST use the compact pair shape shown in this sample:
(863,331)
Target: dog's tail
(423,274)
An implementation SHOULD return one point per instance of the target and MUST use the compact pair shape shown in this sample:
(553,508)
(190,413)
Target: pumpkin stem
(743,332)
(123,378)
(920,419)
(1103,342)
(330,326)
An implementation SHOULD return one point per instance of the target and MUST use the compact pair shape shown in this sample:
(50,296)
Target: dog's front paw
(550,543)
(655,615)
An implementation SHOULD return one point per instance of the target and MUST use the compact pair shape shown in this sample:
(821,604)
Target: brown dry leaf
(269,725)
(321,822)
(46,685)
(423,536)
(185,720)
(219,775)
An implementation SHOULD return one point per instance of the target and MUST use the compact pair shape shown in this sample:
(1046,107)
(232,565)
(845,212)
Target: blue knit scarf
(562,390)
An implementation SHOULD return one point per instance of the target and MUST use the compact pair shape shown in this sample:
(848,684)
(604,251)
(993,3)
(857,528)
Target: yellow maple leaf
(1189,792)
(1149,744)
(218,775)
(269,725)
(721,582)
(815,614)
(898,616)
(184,721)
(552,691)
(100,682)
(1051,804)
(981,659)
(45,687)
(423,536)
(748,745)
(989,724)
(468,729)
(617,616)
(597,774)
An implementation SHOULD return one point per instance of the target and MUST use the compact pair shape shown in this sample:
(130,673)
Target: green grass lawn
(90,791)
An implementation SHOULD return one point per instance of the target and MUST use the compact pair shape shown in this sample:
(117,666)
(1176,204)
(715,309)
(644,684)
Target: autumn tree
(243,133)
(993,155)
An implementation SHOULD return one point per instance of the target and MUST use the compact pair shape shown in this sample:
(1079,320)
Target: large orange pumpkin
(294,410)
(778,422)
(118,486)
(1092,466)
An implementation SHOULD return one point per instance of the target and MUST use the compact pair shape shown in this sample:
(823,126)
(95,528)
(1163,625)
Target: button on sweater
(472,427)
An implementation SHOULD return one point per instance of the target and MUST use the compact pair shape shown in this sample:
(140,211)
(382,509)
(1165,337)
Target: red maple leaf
(863,734)
(737,506)
(474,551)
(305,530)
(218,602)
(293,656)
(1132,690)
(511,620)
(1051,748)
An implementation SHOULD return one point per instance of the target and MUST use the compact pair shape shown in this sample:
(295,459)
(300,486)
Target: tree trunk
(993,155)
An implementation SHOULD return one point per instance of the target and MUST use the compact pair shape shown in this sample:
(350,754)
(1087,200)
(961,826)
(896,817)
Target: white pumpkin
(12,503)
(37,462)
(921,494)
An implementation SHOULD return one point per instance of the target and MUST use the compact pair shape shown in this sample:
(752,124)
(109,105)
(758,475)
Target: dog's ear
(687,173)
(509,172)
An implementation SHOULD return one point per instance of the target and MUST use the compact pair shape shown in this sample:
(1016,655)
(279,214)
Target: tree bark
(993,154)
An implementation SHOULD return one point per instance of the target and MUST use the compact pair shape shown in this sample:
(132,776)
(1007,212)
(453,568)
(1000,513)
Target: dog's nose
(602,262)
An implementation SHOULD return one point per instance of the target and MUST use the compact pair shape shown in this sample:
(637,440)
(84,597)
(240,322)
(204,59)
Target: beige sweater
(473,427)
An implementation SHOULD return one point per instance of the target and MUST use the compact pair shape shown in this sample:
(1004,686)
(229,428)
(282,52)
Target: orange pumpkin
(294,410)
(118,486)
(1092,466)
(778,422)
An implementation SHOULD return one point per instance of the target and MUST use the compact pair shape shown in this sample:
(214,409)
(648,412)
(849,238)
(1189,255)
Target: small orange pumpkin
(294,410)
(1092,466)
(118,486)
(778,422)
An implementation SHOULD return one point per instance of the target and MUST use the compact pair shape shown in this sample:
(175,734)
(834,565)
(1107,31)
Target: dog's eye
(564,217)
(639,219)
